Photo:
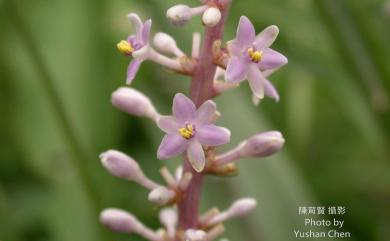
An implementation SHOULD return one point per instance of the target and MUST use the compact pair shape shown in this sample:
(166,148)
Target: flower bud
(179,14)
(211,17)
(239,208)
(195,235)
(119,220)
(161,196)
(133,102)
(166,44)
(179,173)
(262,145)
(123,166)
(242,207)
(168,217)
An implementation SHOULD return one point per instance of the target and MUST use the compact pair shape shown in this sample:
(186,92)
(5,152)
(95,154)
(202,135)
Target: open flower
(250,55)
(134,43)
(188,129)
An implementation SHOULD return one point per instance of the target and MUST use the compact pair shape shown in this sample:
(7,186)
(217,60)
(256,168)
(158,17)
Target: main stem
(200,91)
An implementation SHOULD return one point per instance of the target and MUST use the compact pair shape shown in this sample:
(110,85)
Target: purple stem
(200,91)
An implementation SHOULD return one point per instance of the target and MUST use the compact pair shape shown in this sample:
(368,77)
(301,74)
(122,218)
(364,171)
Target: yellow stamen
(256,56)
(125,47)
(187,132)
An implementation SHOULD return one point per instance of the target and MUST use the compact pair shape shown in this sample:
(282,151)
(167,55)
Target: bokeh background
(59,65)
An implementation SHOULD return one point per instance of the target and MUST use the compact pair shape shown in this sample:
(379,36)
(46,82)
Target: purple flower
(188,129)
(134,43)
(250,55)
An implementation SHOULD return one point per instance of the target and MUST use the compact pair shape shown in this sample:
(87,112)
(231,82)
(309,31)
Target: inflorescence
(190,130)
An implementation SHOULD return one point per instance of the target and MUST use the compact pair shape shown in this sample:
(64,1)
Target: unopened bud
(179,14)
(166,44)
(242,207)
(261,145)
(239,208)
(211,17)
(168,217)
(119,220)
(161,196)
(195,235)
(179,173)
(133,102)
(123,166)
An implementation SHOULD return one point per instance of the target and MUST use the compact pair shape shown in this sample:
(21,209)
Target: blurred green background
(59,65)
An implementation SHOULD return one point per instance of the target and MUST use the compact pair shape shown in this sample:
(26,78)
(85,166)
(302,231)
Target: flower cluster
(191,131)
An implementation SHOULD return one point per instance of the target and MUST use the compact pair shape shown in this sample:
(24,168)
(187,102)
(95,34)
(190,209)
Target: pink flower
(134,43)
(251,55)
(188,129)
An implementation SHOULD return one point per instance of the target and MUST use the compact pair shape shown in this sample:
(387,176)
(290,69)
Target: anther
(125,47)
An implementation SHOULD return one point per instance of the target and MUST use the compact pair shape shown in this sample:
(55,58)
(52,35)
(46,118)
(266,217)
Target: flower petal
(235,48)
(132,70)
(196,156)
(137,25)
(256,81)
(146,31)
(266,37)
(205,112)
(245,32)
(270,90)
(237,69)
(255,100)
(212,135)
(168,124)
(172,144)
(183,108)
(272,59)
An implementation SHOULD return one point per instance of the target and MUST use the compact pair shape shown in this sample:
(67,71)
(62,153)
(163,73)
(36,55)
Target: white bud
(211,17)
(242,207)
(179,173)
(122,221)
(119,220)
(261,145)
(179,14)
(133,102)
(161,196)
(168,217)
(195,235)
(239,208)
(166,44)
(123,166)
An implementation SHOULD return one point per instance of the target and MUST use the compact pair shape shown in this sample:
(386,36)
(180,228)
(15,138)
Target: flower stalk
(190,130)
(201,90)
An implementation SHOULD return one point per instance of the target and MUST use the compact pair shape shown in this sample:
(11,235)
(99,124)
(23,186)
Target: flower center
(125,47)
(255,56)
(188,131)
